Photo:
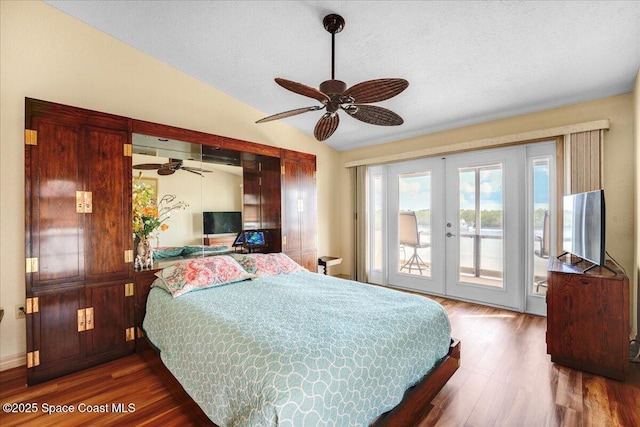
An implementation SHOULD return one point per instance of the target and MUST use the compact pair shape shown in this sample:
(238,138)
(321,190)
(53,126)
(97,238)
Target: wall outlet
(20,311)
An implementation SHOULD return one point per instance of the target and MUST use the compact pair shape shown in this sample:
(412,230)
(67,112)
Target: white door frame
(513,198)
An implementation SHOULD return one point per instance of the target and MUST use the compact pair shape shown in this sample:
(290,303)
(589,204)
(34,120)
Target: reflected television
(584,226)
(221,222)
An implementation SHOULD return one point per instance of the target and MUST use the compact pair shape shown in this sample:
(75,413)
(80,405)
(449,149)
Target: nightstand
(327,261)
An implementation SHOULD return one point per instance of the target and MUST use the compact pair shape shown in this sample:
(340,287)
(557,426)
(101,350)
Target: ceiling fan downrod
(333,23)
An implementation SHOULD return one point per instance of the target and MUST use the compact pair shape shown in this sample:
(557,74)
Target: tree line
(488,218)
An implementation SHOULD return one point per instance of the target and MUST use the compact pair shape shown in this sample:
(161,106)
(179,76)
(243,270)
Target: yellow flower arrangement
(149,217)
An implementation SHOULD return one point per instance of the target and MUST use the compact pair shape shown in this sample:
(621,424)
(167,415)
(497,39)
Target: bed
(255,340)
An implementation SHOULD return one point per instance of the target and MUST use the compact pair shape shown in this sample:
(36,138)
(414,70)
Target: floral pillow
(286,264)
(201,273)
(262,265)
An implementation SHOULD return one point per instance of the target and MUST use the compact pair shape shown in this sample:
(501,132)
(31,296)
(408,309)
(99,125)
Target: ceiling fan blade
(290,113)
(190,169)
(376,90)
(148,166)
(194,171)
(303,90)
(374,115)
(326,126)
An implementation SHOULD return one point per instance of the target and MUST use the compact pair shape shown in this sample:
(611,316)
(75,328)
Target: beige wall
(50,56)
(619,162)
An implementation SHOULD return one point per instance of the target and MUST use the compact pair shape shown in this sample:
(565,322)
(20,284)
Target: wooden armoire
(80,291)
(79,255)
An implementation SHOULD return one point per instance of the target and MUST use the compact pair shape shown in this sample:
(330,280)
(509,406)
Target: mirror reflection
(201,178)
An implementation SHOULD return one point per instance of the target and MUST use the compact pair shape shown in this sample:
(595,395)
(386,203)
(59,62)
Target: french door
(474,223)
(416,187)
(484,262)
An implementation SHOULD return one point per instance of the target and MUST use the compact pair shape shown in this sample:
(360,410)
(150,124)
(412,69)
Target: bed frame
(414,406)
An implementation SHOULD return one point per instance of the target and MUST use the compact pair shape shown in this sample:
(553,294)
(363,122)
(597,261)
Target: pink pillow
(262,265)
(201,273)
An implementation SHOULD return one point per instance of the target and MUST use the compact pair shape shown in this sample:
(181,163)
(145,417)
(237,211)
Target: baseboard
(13,361)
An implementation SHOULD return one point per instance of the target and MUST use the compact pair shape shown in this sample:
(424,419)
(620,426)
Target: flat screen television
(221,222)
(584,226)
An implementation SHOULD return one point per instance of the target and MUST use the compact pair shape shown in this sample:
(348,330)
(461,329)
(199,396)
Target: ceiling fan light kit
(335,95)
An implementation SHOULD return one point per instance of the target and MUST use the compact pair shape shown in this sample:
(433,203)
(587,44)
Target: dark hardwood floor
(505,379)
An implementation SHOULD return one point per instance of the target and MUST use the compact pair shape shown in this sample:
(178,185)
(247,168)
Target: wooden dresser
(588,318)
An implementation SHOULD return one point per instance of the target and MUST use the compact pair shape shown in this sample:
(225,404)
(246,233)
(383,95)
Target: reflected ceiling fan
(170,167)
(334,95)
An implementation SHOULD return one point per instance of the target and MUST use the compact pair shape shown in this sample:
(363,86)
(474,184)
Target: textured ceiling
(466,62)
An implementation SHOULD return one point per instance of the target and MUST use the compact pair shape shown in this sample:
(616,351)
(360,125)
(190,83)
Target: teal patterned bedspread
(296,350)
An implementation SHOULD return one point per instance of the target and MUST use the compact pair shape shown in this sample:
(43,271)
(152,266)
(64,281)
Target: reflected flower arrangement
(149,216)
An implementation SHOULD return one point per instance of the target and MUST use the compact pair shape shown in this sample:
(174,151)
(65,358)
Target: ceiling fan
(170,167)
(334,95)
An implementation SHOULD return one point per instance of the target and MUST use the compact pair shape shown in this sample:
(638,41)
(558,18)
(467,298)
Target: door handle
(450,235)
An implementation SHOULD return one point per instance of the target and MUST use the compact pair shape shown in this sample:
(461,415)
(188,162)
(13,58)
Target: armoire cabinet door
(54,228)
(55,344)
(291,224)
(308,214)
(108,226)
(299,208)
(112,315)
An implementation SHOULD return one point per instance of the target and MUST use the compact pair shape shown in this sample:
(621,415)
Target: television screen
(221,222)
(584,226)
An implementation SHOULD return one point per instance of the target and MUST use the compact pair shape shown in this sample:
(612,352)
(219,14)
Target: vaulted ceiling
(466,62)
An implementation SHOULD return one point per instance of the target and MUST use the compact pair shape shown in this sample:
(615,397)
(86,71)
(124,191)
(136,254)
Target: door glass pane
(541,224)
(414,223)
(481,226)
(467,221)
(377,223)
